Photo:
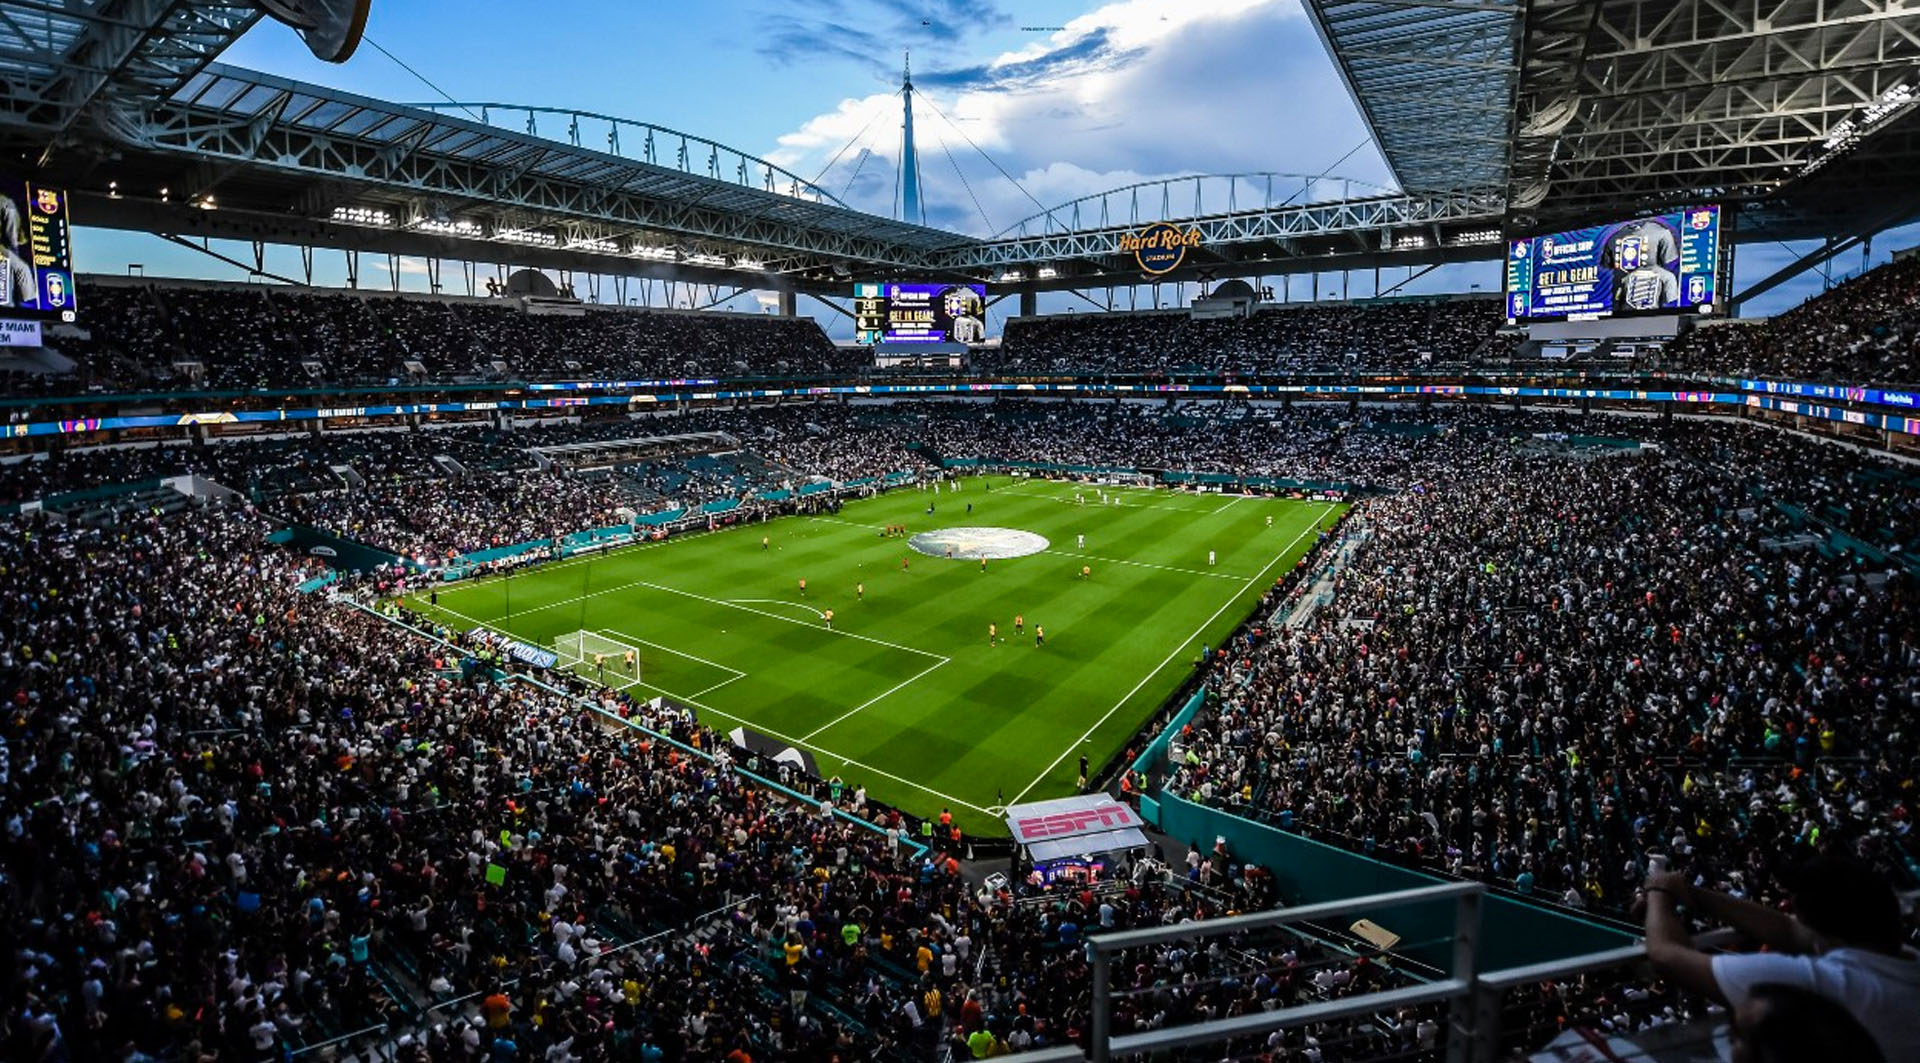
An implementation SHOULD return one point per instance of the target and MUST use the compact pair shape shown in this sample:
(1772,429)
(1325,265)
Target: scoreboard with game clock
(36,252)
(897,312)
(1660,264)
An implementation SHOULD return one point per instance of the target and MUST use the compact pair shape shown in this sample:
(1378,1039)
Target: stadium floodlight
(703,259)
(604,247)
(654,254)
(449,228)
(1048,273)
(357,215)
(1853,130)
(1409,242)
(1478,236)
(1010,276)
(749,263)
(532,237)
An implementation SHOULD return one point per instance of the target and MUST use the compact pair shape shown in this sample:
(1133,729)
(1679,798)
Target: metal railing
(1474,1025)
(1455,990)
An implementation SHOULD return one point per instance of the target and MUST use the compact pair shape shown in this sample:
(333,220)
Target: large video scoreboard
(919,313)
(36,252)
(1662,264)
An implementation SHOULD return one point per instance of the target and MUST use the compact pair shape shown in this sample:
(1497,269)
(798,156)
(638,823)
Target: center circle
(972,544)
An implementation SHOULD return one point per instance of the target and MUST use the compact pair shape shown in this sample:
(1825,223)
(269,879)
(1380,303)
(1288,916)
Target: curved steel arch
(1261,184)
(722,163)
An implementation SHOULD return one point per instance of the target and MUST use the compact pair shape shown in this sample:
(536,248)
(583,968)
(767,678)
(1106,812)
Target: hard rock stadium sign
(1160,247)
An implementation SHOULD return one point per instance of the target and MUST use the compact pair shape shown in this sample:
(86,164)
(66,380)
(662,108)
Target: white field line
(762,728)
(471,620)
(588,557)
(1237,499)
(578,598)
(1145,564)
(1177,650)
(817,614)
(1068,501)
(790,740)
(877,697)
(848,523)
(737,673)
(717,686)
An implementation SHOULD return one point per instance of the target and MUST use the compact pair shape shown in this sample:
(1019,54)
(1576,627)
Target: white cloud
(1137,90)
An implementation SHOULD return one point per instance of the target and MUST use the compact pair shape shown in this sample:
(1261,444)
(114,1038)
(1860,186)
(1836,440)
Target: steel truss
(1365,224)
(426,168)
(59,60)
(1679,98)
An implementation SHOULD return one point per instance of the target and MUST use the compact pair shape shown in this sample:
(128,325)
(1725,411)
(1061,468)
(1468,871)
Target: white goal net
(598,656)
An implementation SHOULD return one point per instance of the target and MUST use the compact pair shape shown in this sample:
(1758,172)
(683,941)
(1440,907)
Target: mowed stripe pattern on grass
(907,684)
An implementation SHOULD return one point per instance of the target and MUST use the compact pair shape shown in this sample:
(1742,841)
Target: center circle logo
(972,544)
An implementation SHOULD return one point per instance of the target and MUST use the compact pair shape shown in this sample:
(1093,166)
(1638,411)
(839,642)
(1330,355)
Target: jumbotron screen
(36,261)
(1665,263)
(919,313)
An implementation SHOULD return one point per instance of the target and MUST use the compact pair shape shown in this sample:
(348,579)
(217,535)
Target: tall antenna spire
(909,159)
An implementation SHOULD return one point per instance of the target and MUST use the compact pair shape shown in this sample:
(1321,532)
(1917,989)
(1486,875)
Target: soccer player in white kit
(1209,557)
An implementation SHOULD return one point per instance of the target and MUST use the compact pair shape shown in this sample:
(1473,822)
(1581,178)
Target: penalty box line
(877,697)
(1313,525)
(577,599)
(734,676)
(762,728)
(790,740)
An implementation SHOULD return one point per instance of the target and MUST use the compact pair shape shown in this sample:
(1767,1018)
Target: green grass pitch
(905,695)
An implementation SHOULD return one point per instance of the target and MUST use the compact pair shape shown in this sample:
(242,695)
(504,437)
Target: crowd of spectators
(255,337)
(242,821)
(431,520)
(1315,337)
(1538,671)
(142,336)
(1864,331)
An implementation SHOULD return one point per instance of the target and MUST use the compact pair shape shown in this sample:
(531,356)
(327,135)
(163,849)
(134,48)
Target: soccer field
(904,694)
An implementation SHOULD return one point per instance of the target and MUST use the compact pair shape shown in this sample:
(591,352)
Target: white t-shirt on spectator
(1876,989)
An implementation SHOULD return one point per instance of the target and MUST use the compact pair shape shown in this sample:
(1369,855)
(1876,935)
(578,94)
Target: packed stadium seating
(241,820)
(1306,338)
(139,336)
(251,337)
(1864,331)
(1538,671)
(244,820)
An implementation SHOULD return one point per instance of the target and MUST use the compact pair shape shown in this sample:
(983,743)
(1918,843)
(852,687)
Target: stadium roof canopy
(1493,115)
(1594,107)
(62,60)
(1435,82)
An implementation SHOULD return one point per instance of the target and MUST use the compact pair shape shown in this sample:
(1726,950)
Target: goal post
(578,650)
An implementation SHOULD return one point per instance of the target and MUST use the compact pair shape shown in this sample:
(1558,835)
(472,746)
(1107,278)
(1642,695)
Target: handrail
(330,1042)
(1509,977)
(1154,935)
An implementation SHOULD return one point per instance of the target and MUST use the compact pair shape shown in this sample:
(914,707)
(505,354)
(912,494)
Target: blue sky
(1071,98)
